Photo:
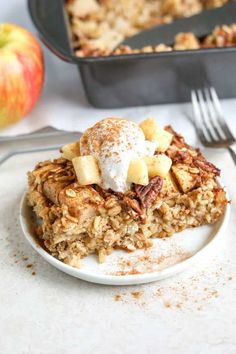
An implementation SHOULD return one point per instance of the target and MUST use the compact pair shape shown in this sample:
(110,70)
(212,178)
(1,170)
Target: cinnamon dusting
(136,294)
(147,263)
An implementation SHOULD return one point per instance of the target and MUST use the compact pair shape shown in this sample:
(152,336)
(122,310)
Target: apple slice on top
(153,132)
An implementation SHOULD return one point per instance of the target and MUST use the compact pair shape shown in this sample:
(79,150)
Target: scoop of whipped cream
(114,142)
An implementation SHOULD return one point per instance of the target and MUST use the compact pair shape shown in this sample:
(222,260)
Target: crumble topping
(98,26)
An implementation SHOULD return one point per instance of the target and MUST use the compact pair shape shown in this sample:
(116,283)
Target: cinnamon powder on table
(191,294)
(136,294)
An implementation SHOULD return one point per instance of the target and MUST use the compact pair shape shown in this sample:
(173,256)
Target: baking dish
(136,79)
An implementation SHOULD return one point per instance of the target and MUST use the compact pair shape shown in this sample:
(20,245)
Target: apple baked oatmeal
(98,26)
(118,187)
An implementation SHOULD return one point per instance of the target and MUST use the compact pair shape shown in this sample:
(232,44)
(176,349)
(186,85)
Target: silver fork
(209,121)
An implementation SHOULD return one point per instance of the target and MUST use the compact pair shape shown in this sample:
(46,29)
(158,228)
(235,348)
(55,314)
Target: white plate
(166,258)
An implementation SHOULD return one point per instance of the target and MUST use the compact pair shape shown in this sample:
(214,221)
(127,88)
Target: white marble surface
(50,312)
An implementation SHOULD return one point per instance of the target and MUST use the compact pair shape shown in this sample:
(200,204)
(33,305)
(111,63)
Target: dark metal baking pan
(137,79)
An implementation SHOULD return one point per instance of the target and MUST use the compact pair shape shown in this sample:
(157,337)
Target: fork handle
(232,151)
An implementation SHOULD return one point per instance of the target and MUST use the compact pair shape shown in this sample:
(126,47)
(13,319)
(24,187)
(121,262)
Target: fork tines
(209,119)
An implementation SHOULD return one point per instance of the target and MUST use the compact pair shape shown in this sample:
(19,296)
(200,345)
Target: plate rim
(130,279)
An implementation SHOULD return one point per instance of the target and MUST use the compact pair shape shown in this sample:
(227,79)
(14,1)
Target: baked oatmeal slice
(78,220)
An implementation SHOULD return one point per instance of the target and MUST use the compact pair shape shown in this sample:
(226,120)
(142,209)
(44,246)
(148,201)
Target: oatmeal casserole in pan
(119,186)
(87,32)
(98,26)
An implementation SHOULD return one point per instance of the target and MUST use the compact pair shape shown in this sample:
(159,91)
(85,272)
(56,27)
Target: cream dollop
(114,142)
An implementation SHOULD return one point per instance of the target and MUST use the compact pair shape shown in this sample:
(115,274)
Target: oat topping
(98,26)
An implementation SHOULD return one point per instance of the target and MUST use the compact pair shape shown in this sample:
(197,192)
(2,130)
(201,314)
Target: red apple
(21,73)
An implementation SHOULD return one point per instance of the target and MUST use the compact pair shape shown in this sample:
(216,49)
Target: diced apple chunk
(87,170)
(183,177)
(169,184)
(163,139)
(138,172)
(153,132)
(69,151)
(149,126)
(158,165)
